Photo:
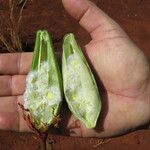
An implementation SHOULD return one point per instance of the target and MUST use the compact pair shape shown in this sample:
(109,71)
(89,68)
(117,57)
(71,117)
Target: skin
(121,67)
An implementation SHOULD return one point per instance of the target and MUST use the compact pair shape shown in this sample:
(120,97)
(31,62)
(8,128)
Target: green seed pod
(43,95)
(80,87)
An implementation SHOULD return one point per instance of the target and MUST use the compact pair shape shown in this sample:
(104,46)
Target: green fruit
(80,87)
(43,95)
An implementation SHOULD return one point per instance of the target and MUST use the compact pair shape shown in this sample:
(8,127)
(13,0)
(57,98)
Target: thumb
(111,52)
(92,19)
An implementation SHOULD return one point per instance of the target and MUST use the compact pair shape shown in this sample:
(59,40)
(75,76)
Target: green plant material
(43,95)
(80,88)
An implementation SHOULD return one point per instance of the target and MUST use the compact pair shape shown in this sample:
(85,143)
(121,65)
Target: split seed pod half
(43,95)
(80,88)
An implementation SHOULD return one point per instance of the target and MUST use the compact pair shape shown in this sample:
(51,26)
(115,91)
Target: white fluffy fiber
(77,96)
(39,92)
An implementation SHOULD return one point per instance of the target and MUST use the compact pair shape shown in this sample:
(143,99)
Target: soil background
(132,15)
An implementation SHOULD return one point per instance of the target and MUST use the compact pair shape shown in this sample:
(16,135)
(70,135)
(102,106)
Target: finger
(8,104)
(12,85)
(11,114)
(23,127)
(8,113)
(90,17)
(8,121)
(15,63)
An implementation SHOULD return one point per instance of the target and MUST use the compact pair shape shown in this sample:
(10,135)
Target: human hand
(122,68)
(13,70)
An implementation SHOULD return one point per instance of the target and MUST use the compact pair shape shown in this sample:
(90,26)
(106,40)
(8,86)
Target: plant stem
(42,138)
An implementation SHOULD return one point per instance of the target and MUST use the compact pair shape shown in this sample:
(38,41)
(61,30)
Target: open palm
(120,66)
